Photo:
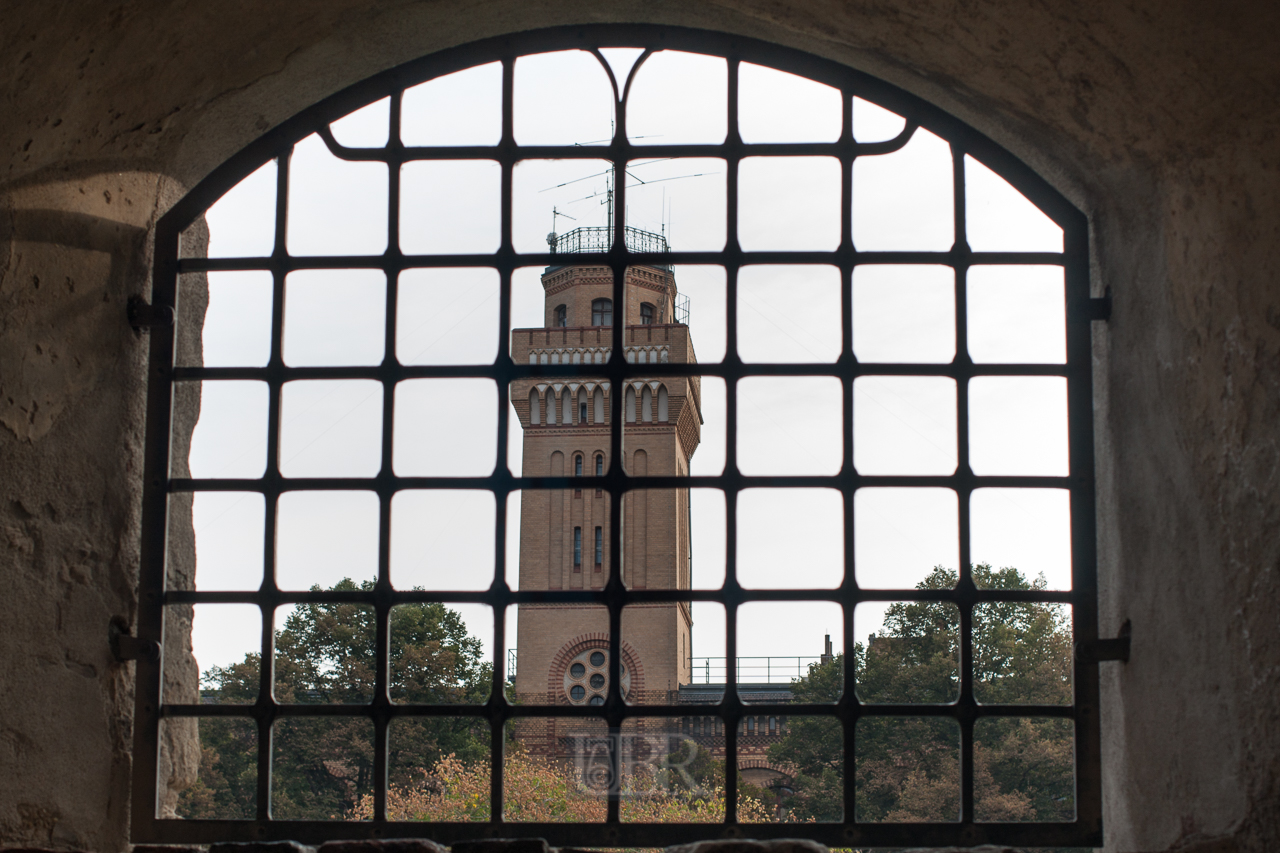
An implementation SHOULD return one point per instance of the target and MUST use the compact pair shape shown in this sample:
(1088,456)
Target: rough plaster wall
(1157,118)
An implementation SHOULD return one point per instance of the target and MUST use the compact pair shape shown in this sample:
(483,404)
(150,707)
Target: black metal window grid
(617,250)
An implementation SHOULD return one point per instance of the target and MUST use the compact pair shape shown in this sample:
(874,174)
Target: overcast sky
(902,425)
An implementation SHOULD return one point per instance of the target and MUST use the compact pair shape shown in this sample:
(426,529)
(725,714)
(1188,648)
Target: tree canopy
(322,766)
(908,767)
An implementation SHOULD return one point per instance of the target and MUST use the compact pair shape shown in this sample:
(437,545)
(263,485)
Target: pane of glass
(998,218)
(1024,769)
(789,425)
(873,123)
(1017,314)
(228,542)
(323,538)
(442,539)
(226,641)
(908,770)
(681,198)
(788,314)
(336,207)
(438,769)
(902,535)
(331,428)
(1021,652)
(774,106)
(904,313)
(707,532)
(242,224)
(903,201)
(367,127)
(658,647)
(703,290)
(1018,425)
(322,769)
(912,651)
(562,98)
(1026,529)
(904,425)
(547,554)
(781,641)
(529,308)
(555,770)
(656,538)
(226,785)
(226,322)
(462,108)
(325,651)
(790,538)
(450,207)
(334,317)
(814,748)
(230,438)
(436,660)
(789,203)
(679,98)
(447,316)
(713,404)
(445,428)
(557,197)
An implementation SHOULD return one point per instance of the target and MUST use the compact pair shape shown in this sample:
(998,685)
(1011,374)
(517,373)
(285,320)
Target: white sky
(902,425)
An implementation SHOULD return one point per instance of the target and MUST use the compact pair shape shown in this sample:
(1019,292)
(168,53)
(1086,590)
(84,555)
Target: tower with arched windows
(564,539)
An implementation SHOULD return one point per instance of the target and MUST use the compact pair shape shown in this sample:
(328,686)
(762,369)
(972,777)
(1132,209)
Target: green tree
(322,766)
(907,767)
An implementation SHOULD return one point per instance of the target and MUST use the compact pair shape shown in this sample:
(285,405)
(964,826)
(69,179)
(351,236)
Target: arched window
(896,237)
(577,465)
(602,312)
(646,313)
(599,464)
(582,405)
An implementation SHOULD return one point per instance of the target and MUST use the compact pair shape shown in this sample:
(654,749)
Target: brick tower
(564,539)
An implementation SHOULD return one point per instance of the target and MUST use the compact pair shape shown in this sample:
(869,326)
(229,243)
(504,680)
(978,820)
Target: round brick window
(586,681)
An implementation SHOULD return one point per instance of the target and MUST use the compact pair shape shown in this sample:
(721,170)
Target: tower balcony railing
(753,670)
(598,239)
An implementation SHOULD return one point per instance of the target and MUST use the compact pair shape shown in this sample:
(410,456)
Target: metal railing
(599,238)
(753,670)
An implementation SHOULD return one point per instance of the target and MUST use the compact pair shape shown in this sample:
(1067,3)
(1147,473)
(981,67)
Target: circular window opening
(591,667)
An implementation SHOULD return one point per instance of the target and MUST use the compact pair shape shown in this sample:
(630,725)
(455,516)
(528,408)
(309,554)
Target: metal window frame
(151,707)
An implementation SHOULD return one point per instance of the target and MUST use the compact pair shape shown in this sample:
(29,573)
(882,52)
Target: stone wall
(1158,119)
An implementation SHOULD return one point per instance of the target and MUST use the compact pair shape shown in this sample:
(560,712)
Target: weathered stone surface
(779,845)
(389,845)
(261,847)
(502,845)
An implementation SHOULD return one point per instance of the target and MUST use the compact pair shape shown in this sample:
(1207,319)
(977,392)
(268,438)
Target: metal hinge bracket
(145,316)
(1095,651)
(125,647)
(1095,308)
